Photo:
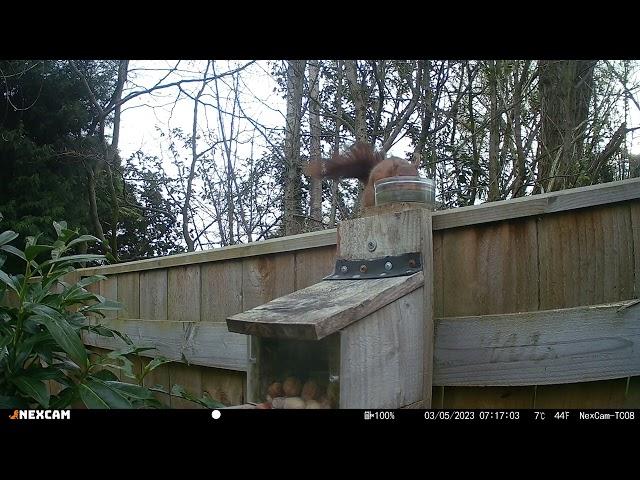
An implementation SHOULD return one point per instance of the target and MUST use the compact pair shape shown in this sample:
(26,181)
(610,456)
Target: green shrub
(42,318)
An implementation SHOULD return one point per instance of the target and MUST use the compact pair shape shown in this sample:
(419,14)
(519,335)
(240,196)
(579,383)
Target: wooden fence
(549,255)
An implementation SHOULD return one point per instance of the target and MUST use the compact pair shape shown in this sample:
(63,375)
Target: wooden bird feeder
(364,333)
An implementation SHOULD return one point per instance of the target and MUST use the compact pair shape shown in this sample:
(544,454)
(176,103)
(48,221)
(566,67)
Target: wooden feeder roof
(322,309)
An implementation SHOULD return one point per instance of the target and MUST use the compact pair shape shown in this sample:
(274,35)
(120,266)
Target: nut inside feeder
(405,189)
(294,374)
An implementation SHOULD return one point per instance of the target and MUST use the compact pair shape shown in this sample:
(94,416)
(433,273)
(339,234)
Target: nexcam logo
(40,415)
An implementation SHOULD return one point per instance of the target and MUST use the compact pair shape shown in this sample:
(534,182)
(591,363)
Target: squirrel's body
(361,161)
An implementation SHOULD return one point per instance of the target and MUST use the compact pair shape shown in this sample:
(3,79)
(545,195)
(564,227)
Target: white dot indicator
(215,414)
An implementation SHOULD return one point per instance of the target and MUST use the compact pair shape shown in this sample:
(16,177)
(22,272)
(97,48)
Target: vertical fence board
(153,295)
(586,257)
(266,278)
(313,265)
(221,291)
(183,296)
(489,269)
(129,294)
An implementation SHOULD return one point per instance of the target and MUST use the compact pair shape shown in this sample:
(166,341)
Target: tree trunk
(293,186)
(336,144)
(494,132)
(520,161)
(565,89)
(315,151)
(186,210)
(359,98)
(425,110)
(475,161)
(93,210)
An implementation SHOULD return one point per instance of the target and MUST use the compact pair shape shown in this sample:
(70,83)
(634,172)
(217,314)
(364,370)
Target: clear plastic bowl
(405,189)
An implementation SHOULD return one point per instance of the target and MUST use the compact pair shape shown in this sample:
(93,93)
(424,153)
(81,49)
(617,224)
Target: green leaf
(160,389)
(102,331)
(6,237)
(13,251)
(68,234)
(131,390)
(106,375)
(46,373)
(78,296)
(58,248)
(90,280)
(155,363)
(64,399)
(90,398)
(59,226)
(7,402)
(4,341)
(82,238)
(88,257)
(33,251)
(63,333)
(205,401)
(77,319)
(54,277)
(31,240)
(33,388)
(36,339)
(126,366)
(128,350)
(8,280)
(210,402)
(95,393)
(124,337)
(105,305)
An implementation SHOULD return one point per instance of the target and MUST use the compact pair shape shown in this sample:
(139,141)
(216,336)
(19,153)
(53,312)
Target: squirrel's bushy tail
(357,162)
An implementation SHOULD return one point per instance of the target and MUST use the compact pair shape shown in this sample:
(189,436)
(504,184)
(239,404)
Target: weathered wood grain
(438,274)
(200,343)
(221,294)
(189,377)
(265,247)
(183,298)
(322,309)
(489,269)
(266,278)
(603,394)
(428,308)
(109,290)
(153,295)
(635,224)
(536,348)
(381,356)
(488,397)
(129,294)
(225,386)
(158,378)
(313,265)
(535,205)
(394,234)
(586,257)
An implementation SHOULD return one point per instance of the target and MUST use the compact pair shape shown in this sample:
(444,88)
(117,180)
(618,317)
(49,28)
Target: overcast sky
(146,114)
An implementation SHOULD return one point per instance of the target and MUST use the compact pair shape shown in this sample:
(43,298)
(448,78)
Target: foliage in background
(228,168)
(42,319)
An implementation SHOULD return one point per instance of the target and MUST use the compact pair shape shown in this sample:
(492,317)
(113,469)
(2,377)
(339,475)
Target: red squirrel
(361,161)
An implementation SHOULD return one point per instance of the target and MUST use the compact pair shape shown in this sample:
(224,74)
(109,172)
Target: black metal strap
(383,267)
